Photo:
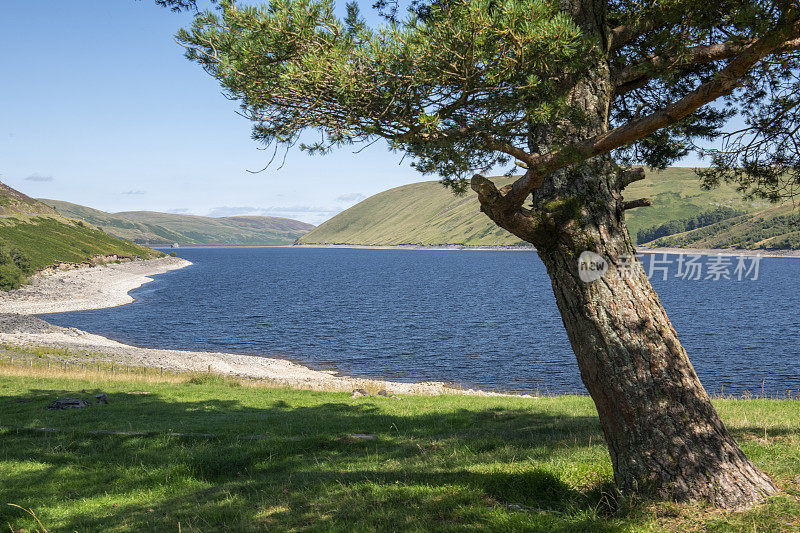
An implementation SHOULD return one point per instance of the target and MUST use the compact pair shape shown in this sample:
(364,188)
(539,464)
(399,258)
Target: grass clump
(196,451)
(212,379)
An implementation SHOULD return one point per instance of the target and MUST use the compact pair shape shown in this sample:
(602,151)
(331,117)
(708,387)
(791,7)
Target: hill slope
(774,228)
(13,202)
(420,213)
(34,236)
(426,213)
(167,228)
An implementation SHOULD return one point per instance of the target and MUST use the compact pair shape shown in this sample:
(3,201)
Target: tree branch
(725,81)
(635,76)
(509,149)
(626,177)
(633,204)
(625,34)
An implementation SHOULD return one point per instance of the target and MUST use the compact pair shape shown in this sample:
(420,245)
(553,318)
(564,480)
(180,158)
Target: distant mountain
(34,236)
(427,214)
(153,228)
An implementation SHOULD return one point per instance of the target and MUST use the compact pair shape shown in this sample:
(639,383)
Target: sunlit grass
(289,459)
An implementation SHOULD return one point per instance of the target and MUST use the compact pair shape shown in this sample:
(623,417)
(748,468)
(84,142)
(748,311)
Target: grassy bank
(215,454)
(48,240)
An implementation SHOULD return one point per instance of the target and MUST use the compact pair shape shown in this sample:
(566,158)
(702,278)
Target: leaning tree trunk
(664,436)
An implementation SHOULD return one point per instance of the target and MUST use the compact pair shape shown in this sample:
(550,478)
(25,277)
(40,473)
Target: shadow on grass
(444,469)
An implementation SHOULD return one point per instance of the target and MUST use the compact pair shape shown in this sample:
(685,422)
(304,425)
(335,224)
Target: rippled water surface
(477,318)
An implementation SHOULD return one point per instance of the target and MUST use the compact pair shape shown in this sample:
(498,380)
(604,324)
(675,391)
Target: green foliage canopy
(443,88)
(464,85)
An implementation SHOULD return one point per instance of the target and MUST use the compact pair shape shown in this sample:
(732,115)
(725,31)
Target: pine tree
(574,92)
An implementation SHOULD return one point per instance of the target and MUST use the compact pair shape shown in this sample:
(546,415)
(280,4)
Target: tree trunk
(664,436)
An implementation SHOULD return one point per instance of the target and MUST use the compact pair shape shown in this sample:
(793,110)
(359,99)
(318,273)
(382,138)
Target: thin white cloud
(39,178)
(351,197)
(228,211)
(302,211)
(136,192)
(180,211)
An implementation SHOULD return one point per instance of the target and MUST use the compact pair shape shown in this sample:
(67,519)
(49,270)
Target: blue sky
(99,107)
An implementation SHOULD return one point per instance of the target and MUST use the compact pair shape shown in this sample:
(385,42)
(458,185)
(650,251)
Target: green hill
(774,228)
(421,213)
(34,236)
(427,214)
(148,227)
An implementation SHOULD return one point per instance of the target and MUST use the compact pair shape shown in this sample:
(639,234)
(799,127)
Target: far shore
(733,252)
(454,247)
(108,286)
(521,248)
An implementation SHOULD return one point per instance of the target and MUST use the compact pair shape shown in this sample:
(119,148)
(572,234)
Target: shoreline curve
(108,286)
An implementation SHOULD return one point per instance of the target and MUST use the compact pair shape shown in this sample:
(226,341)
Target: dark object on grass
(101,398)
(67,403)
(357,393)
(383,393)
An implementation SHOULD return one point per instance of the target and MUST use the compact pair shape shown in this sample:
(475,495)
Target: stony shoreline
(79,289)
(108,286)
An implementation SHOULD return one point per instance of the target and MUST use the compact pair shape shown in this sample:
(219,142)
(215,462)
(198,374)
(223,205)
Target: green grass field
(774,228)
(280,459)
(420,213)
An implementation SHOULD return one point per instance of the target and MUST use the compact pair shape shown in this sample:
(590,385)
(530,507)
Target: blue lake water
(477,318)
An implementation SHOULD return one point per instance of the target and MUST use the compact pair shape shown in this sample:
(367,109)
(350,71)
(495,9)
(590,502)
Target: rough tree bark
(663,434)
